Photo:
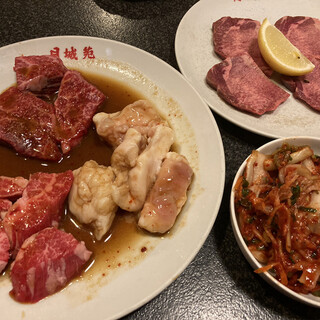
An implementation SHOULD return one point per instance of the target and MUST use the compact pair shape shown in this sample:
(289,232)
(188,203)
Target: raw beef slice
(36,73)
(27,124)
(235,36)
(4,249)
(240,82)
(45,263)
(41,206)
(307,87)
(303,32)
(77,102)
(12,187)
(5,205)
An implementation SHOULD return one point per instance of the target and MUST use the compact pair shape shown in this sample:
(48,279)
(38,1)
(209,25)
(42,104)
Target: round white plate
(195,56)
(269,148)
(191,119)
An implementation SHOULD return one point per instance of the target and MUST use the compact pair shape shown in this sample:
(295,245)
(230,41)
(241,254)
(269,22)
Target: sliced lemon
(280,54)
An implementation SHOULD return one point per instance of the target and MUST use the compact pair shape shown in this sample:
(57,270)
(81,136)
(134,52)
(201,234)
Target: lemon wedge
(280,54)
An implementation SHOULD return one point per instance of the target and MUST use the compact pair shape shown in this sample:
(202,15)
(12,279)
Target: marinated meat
(167,196)
(90,198)
(235,36)
(303,32)
(4,249)
(12,187)
(45,263)
(41,206)
(307,87)
(36,73)
(135,174)
(27,124)
(240,82)
(140,115)
(75,106)
(5,205)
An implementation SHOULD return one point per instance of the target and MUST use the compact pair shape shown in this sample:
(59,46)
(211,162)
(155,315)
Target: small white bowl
(269,148)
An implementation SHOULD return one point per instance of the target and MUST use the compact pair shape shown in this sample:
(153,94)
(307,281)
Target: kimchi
(277,200)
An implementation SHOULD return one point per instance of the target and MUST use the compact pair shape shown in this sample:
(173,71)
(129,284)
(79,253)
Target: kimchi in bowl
(269,265)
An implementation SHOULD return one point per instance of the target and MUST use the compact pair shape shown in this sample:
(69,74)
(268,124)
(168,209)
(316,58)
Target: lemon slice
(280,54)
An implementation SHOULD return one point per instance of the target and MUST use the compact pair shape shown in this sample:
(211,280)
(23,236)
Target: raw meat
(4,249)
(140,115)
(75,106)
(239,81)
(41,205)
(45,263)
(36,73)
(235,36)
(168,194)
(12,187)
(5,205)
(303,32)
(307,87)
(27,123)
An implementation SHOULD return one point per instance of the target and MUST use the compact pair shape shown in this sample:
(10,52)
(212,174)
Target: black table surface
(219,283)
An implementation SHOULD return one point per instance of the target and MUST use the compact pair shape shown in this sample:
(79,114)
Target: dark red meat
(75,106)
(27,123)
(12,187)
(41,206)
(36,73)
(303,32)
(307,87)
(239,81)
(234,36)
(4,249)
(45,263)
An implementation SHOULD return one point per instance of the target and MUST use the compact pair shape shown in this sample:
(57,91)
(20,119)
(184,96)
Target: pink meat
(12,187)
(45,263)
(75,106)
(168,194)
(27,123)
(303,32)
(307,87)
(235,36)
(41,206)
(240,82)
(36,73)
(4,249)
(5,205)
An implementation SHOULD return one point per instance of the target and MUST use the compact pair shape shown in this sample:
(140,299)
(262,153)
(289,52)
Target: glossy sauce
(124,232)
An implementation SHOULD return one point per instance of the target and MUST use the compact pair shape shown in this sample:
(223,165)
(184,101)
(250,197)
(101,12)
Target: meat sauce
(124,232)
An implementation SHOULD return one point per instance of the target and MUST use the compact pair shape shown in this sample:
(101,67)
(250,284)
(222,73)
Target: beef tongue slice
(235,36)
(240,82)
(77,102)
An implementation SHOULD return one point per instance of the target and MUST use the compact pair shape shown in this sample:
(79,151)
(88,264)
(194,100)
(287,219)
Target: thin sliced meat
(235,36)
(36,73)
(41,206)
(12,187)
(240,82)
(168,194)
(303,32)
(27,124)
(307,87)
(5,205)
(77,102)
(45,263)
(4,249)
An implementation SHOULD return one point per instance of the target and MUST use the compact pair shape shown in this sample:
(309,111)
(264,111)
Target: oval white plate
(195,56)
(269,148)
(192,121)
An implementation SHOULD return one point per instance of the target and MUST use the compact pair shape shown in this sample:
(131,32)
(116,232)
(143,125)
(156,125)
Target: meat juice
(124,232)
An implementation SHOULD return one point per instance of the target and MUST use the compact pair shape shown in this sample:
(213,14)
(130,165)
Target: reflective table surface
(219,283)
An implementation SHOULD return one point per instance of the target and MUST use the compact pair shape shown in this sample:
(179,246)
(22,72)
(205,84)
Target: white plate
(269,148)
(189,116)
(195,56)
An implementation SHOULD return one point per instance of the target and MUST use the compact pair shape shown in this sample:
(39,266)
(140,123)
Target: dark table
(219,283)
